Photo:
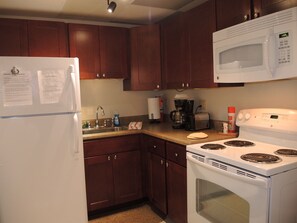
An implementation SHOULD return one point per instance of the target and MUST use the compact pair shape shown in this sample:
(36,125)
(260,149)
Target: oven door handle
(259,181)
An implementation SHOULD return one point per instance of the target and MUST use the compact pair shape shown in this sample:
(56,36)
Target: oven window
(220,205)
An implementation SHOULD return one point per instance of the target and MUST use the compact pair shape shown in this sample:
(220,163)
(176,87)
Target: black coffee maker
(189,116)
(178,116)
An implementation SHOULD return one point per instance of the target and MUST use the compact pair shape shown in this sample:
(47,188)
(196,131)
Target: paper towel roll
(153,108)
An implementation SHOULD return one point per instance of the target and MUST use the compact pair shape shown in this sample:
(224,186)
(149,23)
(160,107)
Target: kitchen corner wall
(274,94)
(110,95)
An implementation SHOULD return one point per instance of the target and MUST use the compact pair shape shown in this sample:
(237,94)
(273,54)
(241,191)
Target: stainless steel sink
(103,129)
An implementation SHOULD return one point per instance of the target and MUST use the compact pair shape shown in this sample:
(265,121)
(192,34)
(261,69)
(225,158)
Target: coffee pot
(178,116)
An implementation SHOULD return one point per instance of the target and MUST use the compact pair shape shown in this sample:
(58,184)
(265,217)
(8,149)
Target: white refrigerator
(41,154)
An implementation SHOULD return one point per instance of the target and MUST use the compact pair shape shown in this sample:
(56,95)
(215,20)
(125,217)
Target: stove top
(233,155)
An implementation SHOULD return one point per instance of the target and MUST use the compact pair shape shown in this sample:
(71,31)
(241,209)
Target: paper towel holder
(154,110)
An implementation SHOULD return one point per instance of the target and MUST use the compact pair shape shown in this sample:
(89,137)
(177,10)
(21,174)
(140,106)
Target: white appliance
(41,154)
(225,184)
(262,49)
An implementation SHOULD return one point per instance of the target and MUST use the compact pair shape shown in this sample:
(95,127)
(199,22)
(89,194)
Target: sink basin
(103,129)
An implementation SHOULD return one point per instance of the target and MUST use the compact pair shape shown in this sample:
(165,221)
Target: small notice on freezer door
(17,89)
(51,85)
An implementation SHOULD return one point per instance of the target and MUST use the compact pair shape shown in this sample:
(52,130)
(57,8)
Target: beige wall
(110,95)
(277,94)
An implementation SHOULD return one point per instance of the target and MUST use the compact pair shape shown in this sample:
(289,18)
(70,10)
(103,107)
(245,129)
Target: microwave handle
(270,51)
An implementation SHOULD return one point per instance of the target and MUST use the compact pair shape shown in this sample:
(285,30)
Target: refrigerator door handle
(76,131)
(72,74)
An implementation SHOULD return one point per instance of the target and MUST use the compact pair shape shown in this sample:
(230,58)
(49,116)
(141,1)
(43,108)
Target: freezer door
(42,170)
(38,85)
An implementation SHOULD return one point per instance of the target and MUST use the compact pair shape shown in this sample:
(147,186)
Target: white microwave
(263,49)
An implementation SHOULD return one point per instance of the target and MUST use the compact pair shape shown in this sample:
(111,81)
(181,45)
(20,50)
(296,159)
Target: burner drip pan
(261,158)
(213,146)
(239,143)
(286,152)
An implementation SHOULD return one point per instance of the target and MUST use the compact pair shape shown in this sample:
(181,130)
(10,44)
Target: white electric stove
(261,161)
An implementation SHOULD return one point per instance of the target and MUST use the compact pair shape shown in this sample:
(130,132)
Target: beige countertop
(163,131)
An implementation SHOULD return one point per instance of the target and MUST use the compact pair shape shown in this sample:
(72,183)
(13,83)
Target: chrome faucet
(102,113)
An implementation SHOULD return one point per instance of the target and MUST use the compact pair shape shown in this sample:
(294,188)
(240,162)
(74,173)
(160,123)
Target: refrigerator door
(38,85)
(42,170)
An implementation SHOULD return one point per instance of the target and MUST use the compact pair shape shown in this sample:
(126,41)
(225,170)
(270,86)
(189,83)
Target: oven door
(223,194)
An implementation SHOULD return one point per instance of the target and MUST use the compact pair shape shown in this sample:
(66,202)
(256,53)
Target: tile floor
(141,214)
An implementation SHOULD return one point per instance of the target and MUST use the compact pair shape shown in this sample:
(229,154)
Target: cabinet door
(145,58)
(157,181)
(177,192)
(99,182)
(13,38)
(201,23)
(232,12)
(113,52)
(175,53)
(47,39)
(84,44)
(271,6)
(127,176)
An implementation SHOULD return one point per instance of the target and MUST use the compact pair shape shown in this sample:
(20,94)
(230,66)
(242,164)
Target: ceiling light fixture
(111,6)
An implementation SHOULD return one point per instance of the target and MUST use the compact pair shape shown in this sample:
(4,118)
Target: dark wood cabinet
(188,57)
(113,171)
(113,46)
(13,38)
(167,189)
(201,23)
(232,12)
(102,51)
(47,39)
(145,56)
(176,176)
(175,57)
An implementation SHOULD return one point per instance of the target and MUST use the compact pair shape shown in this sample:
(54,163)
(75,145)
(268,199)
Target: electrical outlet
(202,104)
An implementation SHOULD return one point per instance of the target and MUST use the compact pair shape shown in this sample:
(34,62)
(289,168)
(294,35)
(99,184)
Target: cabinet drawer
(176,153)
(111,145)
(156,146)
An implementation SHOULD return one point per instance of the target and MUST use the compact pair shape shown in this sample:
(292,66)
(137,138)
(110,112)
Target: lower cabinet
(113,171)
(167,180)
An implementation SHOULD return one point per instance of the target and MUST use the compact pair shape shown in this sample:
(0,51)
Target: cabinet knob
(183,85)
(176,154)
(162,162)
(167,164)
(155,147)
(103,75)
(246,17)
(108,158)
(256,14)
(115,157)
(188,84)
(97,75)
(158,86)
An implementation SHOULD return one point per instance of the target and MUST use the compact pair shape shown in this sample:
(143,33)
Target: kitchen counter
(164,131)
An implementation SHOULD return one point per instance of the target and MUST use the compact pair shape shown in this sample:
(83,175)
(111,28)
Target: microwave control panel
(284,48)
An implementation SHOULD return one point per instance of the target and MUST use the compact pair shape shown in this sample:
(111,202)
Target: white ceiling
(127,11)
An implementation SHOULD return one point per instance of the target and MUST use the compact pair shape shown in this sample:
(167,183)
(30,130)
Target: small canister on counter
(231,119)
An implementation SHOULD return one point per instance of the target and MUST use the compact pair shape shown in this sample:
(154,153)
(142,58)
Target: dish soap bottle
(116,119)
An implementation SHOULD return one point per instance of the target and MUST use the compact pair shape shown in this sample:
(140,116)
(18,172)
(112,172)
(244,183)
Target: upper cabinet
(145,58)
(187,57)
(33,38)
(102,51)
(13,38)
(175,63)
(47,39)
(232,12)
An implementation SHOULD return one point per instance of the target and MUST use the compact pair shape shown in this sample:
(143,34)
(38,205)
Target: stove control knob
(240,116)
(247,116)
